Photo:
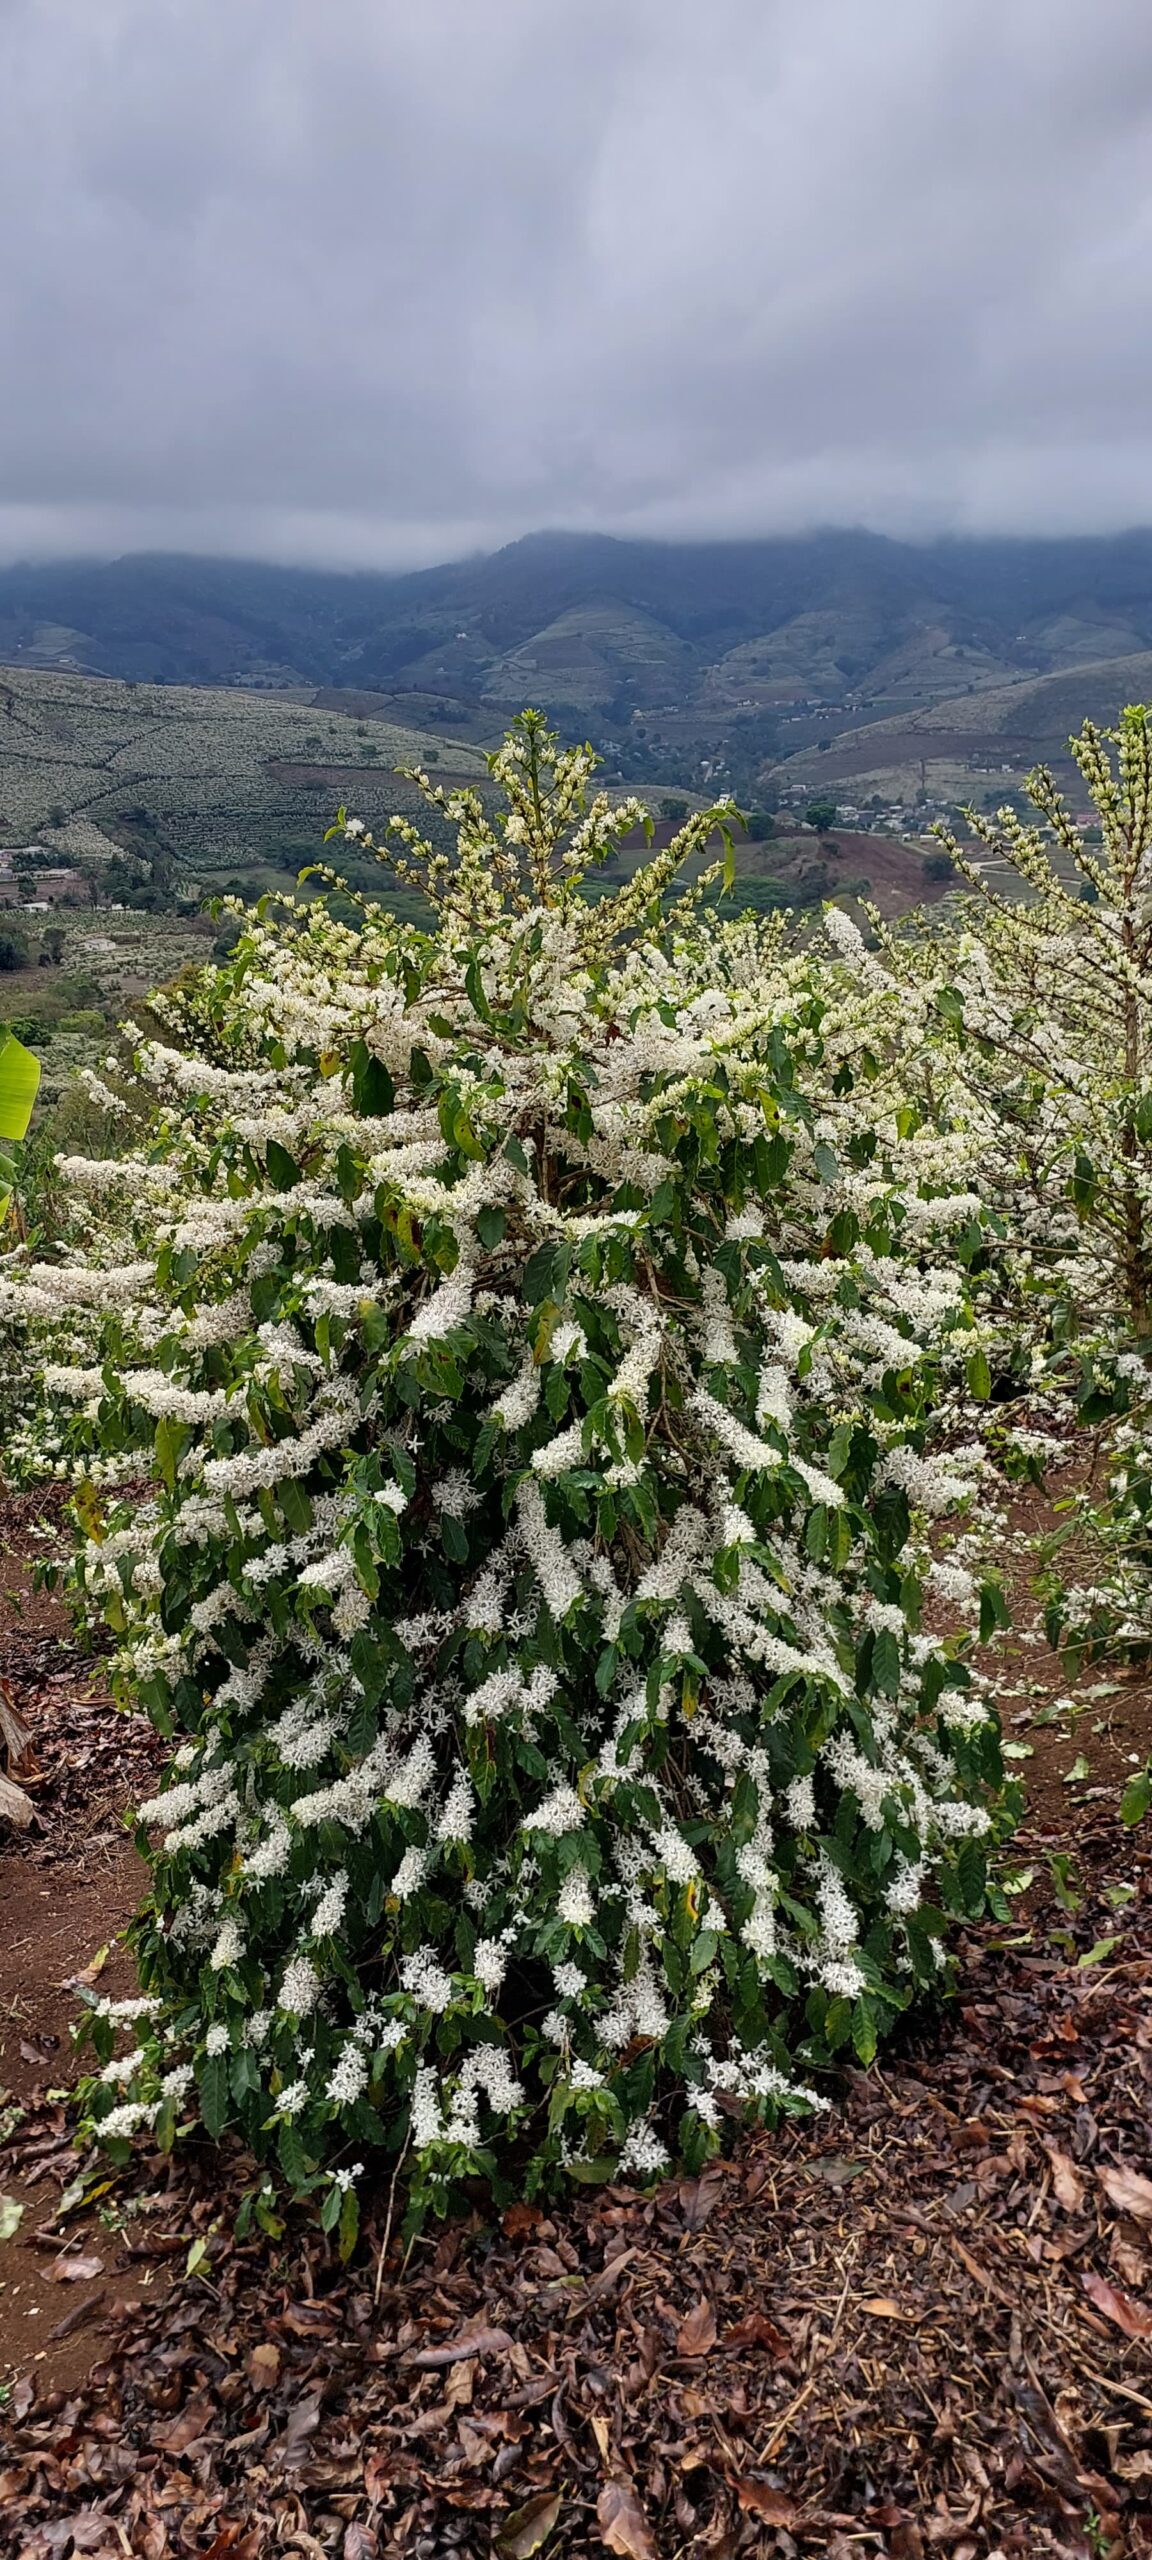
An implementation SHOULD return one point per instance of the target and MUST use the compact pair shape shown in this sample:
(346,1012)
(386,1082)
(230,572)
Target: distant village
(32,876)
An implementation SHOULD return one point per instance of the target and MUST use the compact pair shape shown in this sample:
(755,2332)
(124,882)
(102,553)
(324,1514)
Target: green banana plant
(19,1080)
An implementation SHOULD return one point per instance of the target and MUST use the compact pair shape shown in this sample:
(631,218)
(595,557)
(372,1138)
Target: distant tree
(676,810)
(57,815)
(821,815)
(13,953)
(25,865)
(431,755)
(938,866)
(761,826)
(52,947)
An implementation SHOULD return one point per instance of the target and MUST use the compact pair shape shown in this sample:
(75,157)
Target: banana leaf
(19,1079)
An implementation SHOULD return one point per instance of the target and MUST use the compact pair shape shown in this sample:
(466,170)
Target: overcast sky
(379,281)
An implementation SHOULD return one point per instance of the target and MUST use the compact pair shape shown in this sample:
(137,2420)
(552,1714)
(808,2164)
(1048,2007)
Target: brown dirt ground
(66,1889)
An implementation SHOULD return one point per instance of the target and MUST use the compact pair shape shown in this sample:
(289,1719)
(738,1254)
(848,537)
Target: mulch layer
(920,2323)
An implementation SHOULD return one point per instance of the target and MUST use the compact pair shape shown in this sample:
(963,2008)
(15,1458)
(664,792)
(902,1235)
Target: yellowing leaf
(527,2530)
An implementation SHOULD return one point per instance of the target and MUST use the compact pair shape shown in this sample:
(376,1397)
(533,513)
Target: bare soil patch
(67,1888)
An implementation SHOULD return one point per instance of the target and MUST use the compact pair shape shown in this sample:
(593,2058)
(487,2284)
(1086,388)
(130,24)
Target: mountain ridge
(694,662)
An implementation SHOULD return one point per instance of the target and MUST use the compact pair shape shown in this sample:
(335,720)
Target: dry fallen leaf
(461,2383)
(303,2421)
(194,2421)
(1130,2263)
(76,2270)
(881,2306)
(696,2335)
(1128,2191)
(602,2430)
(623,2524)
(700,2196)
(520,2218)
(757,2331)
(263,2365)
(86,2530)
(771,2505)
(1129,2316)
(479,2340)
(1067,2183)
(528,2529)
(93,1971)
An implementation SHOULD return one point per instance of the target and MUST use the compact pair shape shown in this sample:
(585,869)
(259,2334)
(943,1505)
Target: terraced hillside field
(975,745)
(210,780)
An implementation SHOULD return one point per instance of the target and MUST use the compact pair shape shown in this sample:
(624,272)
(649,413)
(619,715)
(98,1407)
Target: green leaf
(993,1609)
(164,2124)
(171,1441)
(19,1080)
(864,2031)
(838,2022)
(215,2097)
(490,1224)
(372,1085)
(282,1168)
(545,1273)
(349,2223)
(11,2217)
(294,2158)
(704,1950)
(1137,1797)
(979,1377)
(886,1663)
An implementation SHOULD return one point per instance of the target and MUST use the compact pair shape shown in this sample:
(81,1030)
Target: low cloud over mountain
(369,284)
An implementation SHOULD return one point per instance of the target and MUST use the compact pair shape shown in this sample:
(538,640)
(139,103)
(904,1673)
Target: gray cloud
(363,282)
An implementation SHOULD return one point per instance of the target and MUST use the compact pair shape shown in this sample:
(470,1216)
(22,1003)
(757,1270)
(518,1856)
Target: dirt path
(921,2323)
(66,1889)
